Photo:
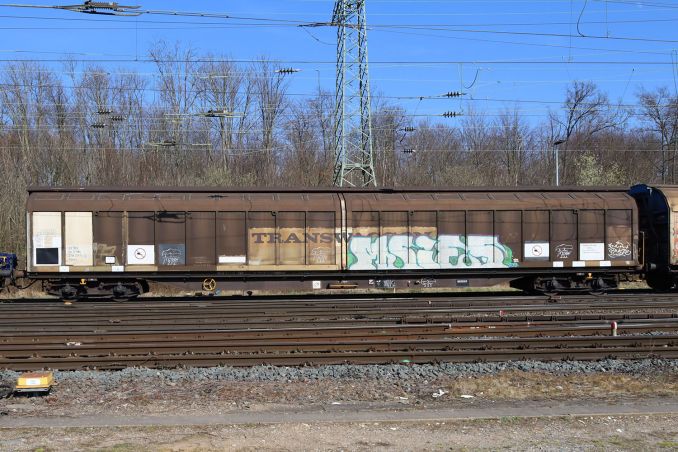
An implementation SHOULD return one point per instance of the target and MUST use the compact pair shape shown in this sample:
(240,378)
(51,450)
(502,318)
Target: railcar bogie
(575,283)
(84,288)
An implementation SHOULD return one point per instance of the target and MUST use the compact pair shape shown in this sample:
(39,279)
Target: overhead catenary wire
(371,27)
(254,25)
(242,18)
(328,62)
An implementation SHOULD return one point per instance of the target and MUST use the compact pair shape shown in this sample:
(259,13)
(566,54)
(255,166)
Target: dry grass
(34,291)
(634,285)
(527,385)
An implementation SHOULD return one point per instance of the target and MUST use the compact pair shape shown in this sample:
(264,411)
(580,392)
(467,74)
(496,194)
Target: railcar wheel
(69,293)
(125,292)
(601,284)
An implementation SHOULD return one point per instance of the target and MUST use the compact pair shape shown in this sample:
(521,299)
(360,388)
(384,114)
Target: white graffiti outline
(619,249)
(427,283)
(320,255)
(402,252)
(564,250)
(171,256)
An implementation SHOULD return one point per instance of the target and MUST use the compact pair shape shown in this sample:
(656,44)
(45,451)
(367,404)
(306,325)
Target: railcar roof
(112,189)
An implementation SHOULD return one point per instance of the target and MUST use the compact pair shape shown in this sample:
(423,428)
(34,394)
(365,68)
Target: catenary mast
(354,159)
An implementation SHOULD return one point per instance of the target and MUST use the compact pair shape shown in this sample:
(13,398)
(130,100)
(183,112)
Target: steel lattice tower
(354,161)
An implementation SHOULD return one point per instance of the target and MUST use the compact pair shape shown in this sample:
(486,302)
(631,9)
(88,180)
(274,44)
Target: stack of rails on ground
(108,242)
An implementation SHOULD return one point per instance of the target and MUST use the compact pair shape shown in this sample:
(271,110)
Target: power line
(222,25)
(326,62)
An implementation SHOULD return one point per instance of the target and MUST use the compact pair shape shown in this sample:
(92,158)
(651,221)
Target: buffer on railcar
(8,265)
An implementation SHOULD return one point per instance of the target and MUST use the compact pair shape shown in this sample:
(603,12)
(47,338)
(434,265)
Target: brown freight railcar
(113,241)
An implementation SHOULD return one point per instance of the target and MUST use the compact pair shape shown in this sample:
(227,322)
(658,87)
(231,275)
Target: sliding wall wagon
(114,241)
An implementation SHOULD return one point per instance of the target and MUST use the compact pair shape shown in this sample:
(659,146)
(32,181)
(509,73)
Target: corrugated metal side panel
(564,235)
(201,238)
(46,238)
(291,239)
(320,239)
(141,238)
(79,239)
(261,238)
(108,239)
(170,238)
(231,238)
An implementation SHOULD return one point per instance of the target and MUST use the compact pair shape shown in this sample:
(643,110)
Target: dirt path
(403,410)
(562,427)
(356,412)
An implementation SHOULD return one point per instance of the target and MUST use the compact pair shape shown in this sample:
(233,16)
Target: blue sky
(417,48)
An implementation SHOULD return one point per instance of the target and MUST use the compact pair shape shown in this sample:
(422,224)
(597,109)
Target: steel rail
(637,351)
(306,311)
(366,343)
(477,298)
(49,335)
(573,322)
(284,312)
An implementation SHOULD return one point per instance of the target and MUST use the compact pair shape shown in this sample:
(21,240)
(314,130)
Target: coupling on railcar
(8,266)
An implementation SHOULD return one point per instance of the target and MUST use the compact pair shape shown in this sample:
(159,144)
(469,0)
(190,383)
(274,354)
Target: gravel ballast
(398,372)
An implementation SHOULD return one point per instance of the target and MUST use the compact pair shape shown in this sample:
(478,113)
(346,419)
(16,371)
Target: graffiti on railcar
(368,251)
(619,249)
(427,283)
(320,255)
(385,284)
(406,252)
(172,254)
(564,250)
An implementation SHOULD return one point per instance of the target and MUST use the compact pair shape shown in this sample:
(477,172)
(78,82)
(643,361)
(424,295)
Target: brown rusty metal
(460,212)
(92,338)
(641,349)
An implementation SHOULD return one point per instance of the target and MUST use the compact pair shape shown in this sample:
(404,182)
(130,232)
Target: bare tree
(513,141)
(178,96)
(387,124)
(476,136)
(660,110)
(586,112)
(225,90)
(270,88)
(303,164)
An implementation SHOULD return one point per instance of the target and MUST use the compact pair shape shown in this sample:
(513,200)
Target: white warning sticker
(591,251)
(140,254)
(232,259)
(537,250)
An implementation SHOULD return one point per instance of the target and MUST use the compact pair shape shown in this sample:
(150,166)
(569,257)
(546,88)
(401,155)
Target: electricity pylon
(354,160)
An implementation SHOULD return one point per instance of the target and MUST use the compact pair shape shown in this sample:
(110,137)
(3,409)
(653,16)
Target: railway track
(155,333)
